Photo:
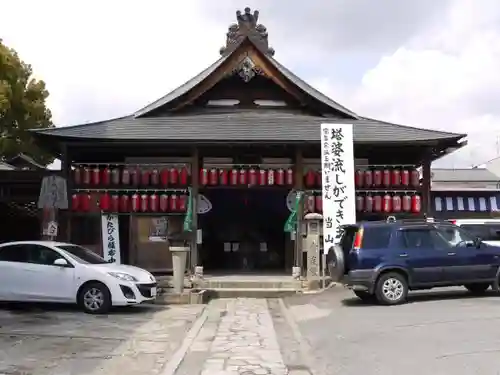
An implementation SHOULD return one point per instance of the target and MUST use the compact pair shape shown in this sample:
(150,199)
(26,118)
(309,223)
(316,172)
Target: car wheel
(391,289)
(364,296)
(477,288)
(94,298)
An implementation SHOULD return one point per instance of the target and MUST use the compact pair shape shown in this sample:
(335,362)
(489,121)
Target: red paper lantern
(173,203)
(164,175)
(145,177)
(310,178)
(358,178)
(104,202)
(96,176)
(310,203)
(135,204)
(319,178)
(115,176)
(396,177)
(360,203)
(368,178)
(377,177)
(164,203)
(174,176)
(86,176)
(155,177)
(262,177)
(135,176)
(125,176)
(386,178)
(124,203)
(182,203)
(319,203)
(144,203)
(77,176)
(203,177)
(377,203)
(184,176)
(85,202)
(153,202)
(233,177)
(368,206)
(416,205)
(405,177)
(414,178)
(406,203)
(280,177)
(223,179)
(387,203)
(252,177)
(75,202)
(213,176)
(106,176)
(243,177)
(289,180)
(396,203)
(271,177)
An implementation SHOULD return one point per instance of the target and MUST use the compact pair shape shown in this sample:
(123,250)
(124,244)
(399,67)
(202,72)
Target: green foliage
(22,107)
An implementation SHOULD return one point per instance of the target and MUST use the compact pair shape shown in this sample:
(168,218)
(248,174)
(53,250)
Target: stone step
(250,292)
(187,297)
(249,284)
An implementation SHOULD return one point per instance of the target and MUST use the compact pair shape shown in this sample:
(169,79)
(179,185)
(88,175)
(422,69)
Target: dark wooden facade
(246,110)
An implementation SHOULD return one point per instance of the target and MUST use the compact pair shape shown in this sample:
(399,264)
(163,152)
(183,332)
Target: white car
(45,271)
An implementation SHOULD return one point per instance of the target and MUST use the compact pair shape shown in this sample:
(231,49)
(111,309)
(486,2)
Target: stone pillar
(179,257)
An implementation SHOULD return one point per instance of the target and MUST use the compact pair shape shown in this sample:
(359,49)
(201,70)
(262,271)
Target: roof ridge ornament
(247,26)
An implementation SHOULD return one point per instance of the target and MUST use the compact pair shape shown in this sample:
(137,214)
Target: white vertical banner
(339,195)
(110,238)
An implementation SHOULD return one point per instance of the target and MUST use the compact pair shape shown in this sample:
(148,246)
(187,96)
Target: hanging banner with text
(110,239)
(339,196)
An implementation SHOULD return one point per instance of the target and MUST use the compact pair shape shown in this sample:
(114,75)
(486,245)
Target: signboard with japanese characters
(111,239)
(337,164)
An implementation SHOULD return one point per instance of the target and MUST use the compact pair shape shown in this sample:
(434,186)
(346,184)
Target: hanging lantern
(173,203)
(252,177)
(406,203)
(387,203)
(203,177)
(360,203)
(104,202)
(223,179)
(386,177)
(212,176)
(271,177)
(125,176)
(310,178)
(182,203)
(77,175)
(368,206)
(319,203)
(280,177)
(86,176)
(377,203)
(75,202)
(184,176)
(164,174)
(135,204)
(155,177)
(106,176)
(144,203)
(135,176)
(405,177)
(243,178)
(377,178)
(368,180)
(233,177)
(358,178)
(115,176)
(396,177)
(174,176)
(124,203)
(145,177)
(85,199)
(163,203)
(414,178)
(310,203)
(396,203)
(114,205)
(416,205)
(153,202)
(262,177)
(96,176)
(289,177)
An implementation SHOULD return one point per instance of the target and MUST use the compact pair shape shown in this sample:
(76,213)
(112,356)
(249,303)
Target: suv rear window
(486,231)
(376,237)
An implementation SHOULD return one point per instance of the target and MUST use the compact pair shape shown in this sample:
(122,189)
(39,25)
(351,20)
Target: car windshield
(82,255)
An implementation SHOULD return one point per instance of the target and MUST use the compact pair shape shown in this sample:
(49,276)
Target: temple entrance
(244,230)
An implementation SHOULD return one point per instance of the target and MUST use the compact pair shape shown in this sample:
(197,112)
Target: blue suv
(382,261)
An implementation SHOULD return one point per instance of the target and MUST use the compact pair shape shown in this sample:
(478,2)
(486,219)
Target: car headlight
(123,276)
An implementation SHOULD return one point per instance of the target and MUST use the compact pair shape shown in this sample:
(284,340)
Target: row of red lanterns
(134,203)
(170,176)
(252,176)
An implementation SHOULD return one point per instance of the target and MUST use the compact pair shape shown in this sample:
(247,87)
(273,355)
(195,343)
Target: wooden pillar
(299,186)
(66,174)
(195,168)
(426,186)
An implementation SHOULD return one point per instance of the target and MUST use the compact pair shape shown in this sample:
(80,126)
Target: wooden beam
(299,186)
(426,185)
(195,167)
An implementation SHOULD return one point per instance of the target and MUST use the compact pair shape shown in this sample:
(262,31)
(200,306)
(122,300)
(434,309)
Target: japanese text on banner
(111,239)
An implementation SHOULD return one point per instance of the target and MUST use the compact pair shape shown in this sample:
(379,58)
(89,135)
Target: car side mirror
(478,242)
(61,262)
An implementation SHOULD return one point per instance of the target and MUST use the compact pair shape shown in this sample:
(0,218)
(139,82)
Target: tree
(22,107)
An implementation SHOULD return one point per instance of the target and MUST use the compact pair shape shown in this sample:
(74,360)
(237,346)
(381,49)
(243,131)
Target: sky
(428,63)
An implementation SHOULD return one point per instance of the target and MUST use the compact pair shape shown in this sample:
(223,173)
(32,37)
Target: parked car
(46,271)
(486,229)
(383,260)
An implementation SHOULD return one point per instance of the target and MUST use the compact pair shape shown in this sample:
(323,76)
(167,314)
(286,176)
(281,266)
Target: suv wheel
(391,289)
(477,288)
(364,296)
